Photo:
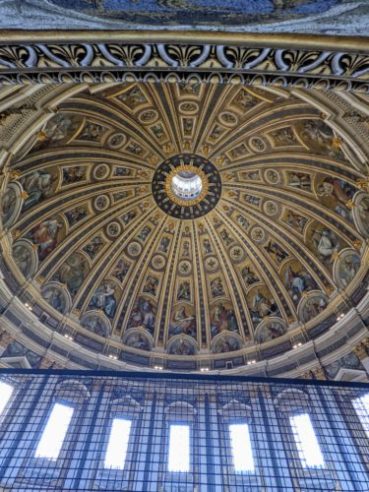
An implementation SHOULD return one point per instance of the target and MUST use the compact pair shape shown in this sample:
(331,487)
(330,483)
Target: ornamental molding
(301,61)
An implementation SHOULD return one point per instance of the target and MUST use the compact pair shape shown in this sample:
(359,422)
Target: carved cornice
(284,60)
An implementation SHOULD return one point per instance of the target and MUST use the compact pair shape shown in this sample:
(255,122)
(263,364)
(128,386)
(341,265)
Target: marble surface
(341,17)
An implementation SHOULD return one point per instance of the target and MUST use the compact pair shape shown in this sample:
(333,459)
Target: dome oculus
(186,186)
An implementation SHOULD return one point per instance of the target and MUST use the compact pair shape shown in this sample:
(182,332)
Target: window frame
(5,412)
(190,448)
(303,458)
(242,422)
(130,443)
(66,440)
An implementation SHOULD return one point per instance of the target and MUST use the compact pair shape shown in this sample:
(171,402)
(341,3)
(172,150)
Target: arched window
(54,432)
(238,445)
(180,462)
(305,437)
(118,441)
(356,412)
(6,393)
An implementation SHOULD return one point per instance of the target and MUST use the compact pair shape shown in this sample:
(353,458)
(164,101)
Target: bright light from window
(54,433)
(179,448)
(186,185)
(361,406)
(116,452)
(306,441)
(243,460)
(5,393)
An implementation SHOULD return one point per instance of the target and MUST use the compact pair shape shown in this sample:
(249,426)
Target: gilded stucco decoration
(260,254)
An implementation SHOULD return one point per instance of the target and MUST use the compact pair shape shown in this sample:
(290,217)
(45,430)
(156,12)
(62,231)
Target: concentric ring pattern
(284,243)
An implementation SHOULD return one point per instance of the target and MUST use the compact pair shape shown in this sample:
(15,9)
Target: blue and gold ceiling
(343,17)
(105,254)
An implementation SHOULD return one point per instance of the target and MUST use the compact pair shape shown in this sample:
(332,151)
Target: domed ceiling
(186,223)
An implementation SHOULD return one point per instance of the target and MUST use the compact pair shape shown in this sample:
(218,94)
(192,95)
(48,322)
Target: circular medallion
(236,253)
(113,229)
(185,268)
(158,262)
(211,264)
(101,171)
(257,234)
(188,107)
(148,116)
(258,144)
(272,176)
(186,186)
(101,203)
(228,119)
(271,208)
(116,140)
(134,249)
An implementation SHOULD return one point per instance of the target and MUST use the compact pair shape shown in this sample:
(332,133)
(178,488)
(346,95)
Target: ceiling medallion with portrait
(186,186)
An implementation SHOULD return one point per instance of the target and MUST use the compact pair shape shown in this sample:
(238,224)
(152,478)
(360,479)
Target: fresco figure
(144,233)
(73,272)
(104,298)
(276,252)
(47,236)
(326,244)
(249,276)
(75,215)
(94,247)
(183,322)
(120,270)
(336,194)
(186,249)
(270,331)
(226,344)
(261,306)
(143,314)
(55,297)
(73,174)
(137,340)
(296,221)
(297,282)
(10,201)
(25,257)
(321,138)
(216,287)
(182,346)
(184,291)
(59,128)
(95,324)
(364,214)
(223,318)
(151,285)
(207,246)
(38,186)
(164,244)
(312,307)
(348,266)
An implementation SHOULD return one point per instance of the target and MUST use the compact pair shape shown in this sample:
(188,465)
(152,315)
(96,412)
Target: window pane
(306,441)
(361,406)
(5,393)
(116,452)
(179,448)
(243,460)
(54,433)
